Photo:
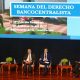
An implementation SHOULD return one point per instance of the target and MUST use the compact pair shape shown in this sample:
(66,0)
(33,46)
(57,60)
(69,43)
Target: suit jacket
(32,56)
(48,57)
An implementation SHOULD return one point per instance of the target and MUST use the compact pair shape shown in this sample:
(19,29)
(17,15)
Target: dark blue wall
(58,48)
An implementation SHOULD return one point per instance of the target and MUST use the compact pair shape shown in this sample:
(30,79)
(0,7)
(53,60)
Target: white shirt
(45,57)
(29,58)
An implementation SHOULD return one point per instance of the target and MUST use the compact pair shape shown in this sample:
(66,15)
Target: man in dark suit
(76,69)
(45,60)
(28,59)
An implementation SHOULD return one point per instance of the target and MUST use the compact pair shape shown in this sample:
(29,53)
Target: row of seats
(64,64)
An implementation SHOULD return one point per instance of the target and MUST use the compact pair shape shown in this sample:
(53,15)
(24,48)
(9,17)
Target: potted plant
(64,61)
(9,59)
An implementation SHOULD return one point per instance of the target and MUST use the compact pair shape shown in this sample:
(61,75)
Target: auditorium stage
(18,76)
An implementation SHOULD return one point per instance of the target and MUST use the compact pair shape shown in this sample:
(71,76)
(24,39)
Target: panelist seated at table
(28,60)
(64,61)
(45,60)
(76,69)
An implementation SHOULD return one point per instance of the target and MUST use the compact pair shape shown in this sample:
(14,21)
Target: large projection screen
(33,26)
